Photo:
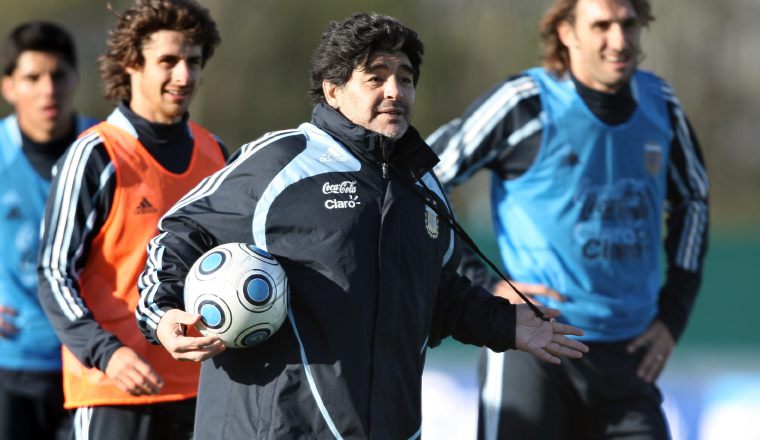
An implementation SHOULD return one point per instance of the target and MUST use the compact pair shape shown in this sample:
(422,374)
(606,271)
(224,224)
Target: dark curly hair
(348,44)
(554,54)
(38,36)
(135,27)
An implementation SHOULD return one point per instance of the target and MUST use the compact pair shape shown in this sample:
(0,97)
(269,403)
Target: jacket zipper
(385,157)
(385,171)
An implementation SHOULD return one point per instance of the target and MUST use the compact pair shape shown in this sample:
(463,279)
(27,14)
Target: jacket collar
(409,153)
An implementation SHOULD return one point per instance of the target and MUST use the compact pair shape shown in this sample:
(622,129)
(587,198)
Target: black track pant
(597,397)
(31,406)
(160,421)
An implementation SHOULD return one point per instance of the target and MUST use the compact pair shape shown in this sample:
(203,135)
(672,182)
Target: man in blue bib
(39,79)
(589,154)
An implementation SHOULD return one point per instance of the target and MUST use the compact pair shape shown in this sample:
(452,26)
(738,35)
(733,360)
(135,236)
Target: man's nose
(617,38)
(46,84)
(392,88)
(181,73)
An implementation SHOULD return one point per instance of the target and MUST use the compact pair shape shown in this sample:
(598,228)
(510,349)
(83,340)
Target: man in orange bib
(113,185)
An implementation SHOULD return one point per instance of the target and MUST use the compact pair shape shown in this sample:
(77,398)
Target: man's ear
(132,69)
(566,33)
(8,90)
(330,91)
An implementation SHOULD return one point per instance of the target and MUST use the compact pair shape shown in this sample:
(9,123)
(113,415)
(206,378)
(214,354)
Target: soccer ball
(241,293)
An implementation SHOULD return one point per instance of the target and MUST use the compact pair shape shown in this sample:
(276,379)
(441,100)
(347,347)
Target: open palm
(546,340)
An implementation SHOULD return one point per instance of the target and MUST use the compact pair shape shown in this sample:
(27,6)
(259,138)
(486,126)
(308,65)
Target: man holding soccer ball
(349,207)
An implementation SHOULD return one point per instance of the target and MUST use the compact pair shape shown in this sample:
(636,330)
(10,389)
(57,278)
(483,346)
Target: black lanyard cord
(430,202)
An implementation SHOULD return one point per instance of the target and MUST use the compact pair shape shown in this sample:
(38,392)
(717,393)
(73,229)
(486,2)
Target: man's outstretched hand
(546,340)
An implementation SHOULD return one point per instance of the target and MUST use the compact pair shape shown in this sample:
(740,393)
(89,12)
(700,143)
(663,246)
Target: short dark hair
(135,27)
(348,44)
(41,36)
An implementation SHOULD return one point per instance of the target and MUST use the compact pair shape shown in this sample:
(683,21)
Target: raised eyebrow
(406,68)
(600,22)
(375,67)
(168,57)
(382,66)
(32,75)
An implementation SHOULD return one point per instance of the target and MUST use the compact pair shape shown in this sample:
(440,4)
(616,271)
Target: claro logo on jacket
(345,188)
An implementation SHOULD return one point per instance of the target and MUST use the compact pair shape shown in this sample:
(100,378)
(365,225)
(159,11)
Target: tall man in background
(372,271)
(588,153)
(114,183)
(39,80)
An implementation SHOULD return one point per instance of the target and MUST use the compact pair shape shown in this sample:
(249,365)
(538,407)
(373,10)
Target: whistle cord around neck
(457,228)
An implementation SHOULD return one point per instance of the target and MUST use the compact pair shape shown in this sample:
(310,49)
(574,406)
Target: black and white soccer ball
(241,293)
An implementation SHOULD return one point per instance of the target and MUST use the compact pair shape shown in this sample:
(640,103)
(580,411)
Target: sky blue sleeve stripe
(306,164)
(416,435)
(310,379)
(211,184)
